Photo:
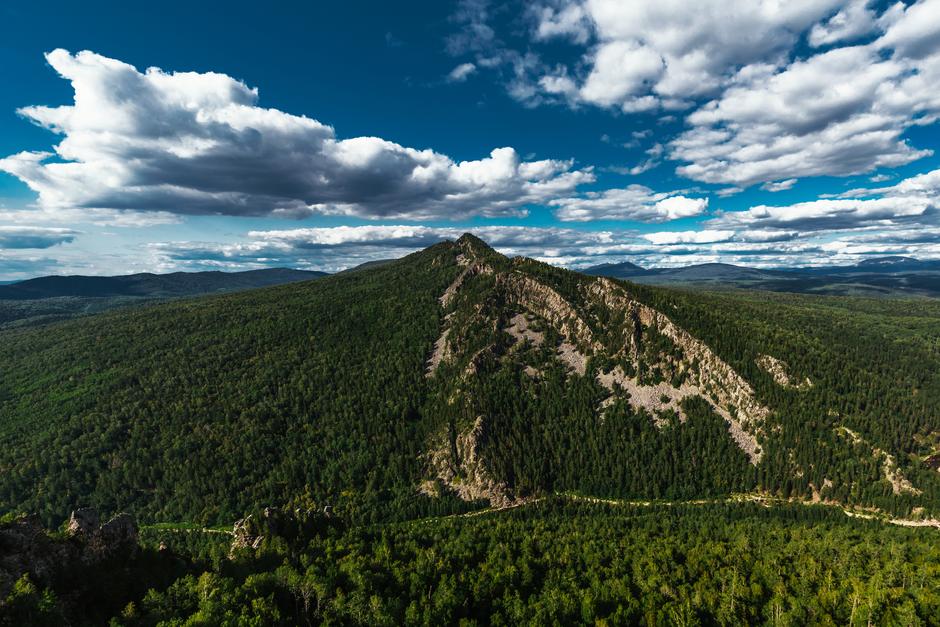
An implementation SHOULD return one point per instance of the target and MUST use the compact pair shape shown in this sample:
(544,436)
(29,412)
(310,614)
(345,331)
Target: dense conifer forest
(552,562)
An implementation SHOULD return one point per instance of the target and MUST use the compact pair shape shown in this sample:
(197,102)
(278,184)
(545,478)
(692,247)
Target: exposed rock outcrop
(779,370)
(118,536)
(244,535)
(441,352)
(83,522)
(655,399)
(520,329)
(460,467)
(546,303)
(294,526)
(27,548)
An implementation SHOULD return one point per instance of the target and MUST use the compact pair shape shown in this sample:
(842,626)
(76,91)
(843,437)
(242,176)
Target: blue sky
(577,132)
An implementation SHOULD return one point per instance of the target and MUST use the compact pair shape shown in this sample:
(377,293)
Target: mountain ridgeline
(146,285)
(455,378)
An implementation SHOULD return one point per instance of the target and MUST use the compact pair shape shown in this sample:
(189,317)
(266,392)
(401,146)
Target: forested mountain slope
(456,376)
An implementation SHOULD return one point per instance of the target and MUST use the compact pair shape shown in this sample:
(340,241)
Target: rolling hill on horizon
(876,277)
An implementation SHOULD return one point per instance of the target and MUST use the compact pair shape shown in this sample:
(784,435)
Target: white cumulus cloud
(706,236)
(652,52)
(198,143)
(635,202)
(837,113)
(855,20)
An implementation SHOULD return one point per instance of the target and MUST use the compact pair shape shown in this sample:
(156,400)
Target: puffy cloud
(901,217)
(773,113)
(96,217)
(706,236)
(643,166)
(855,20)
(653,52)
(779,186)
(460,73)
(198,143)
(17,266)
(924,185)
(837,113)
(621,75)
(335,248)
(635,202)
(913,31)
(561,19)
(34,237)
(830,214)
(712,236)
(766,235)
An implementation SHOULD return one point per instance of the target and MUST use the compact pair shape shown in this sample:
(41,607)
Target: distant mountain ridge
(53,298)
(881,276)
(151,285)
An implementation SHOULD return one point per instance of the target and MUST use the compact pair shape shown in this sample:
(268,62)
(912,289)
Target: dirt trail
(748,497)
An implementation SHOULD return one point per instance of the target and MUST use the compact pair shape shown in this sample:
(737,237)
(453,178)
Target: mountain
(718,272)
(457,436)
(883,276)
(706,272)
(455,378)
(620,270)
(148,285)
(53,298)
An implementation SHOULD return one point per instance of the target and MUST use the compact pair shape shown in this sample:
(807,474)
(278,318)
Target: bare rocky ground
(779,370)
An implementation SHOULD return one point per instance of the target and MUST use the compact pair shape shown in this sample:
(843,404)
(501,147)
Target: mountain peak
(475,247)
(469,239)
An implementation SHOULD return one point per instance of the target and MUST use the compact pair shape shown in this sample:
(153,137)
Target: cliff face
(498,310)
(457,462)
